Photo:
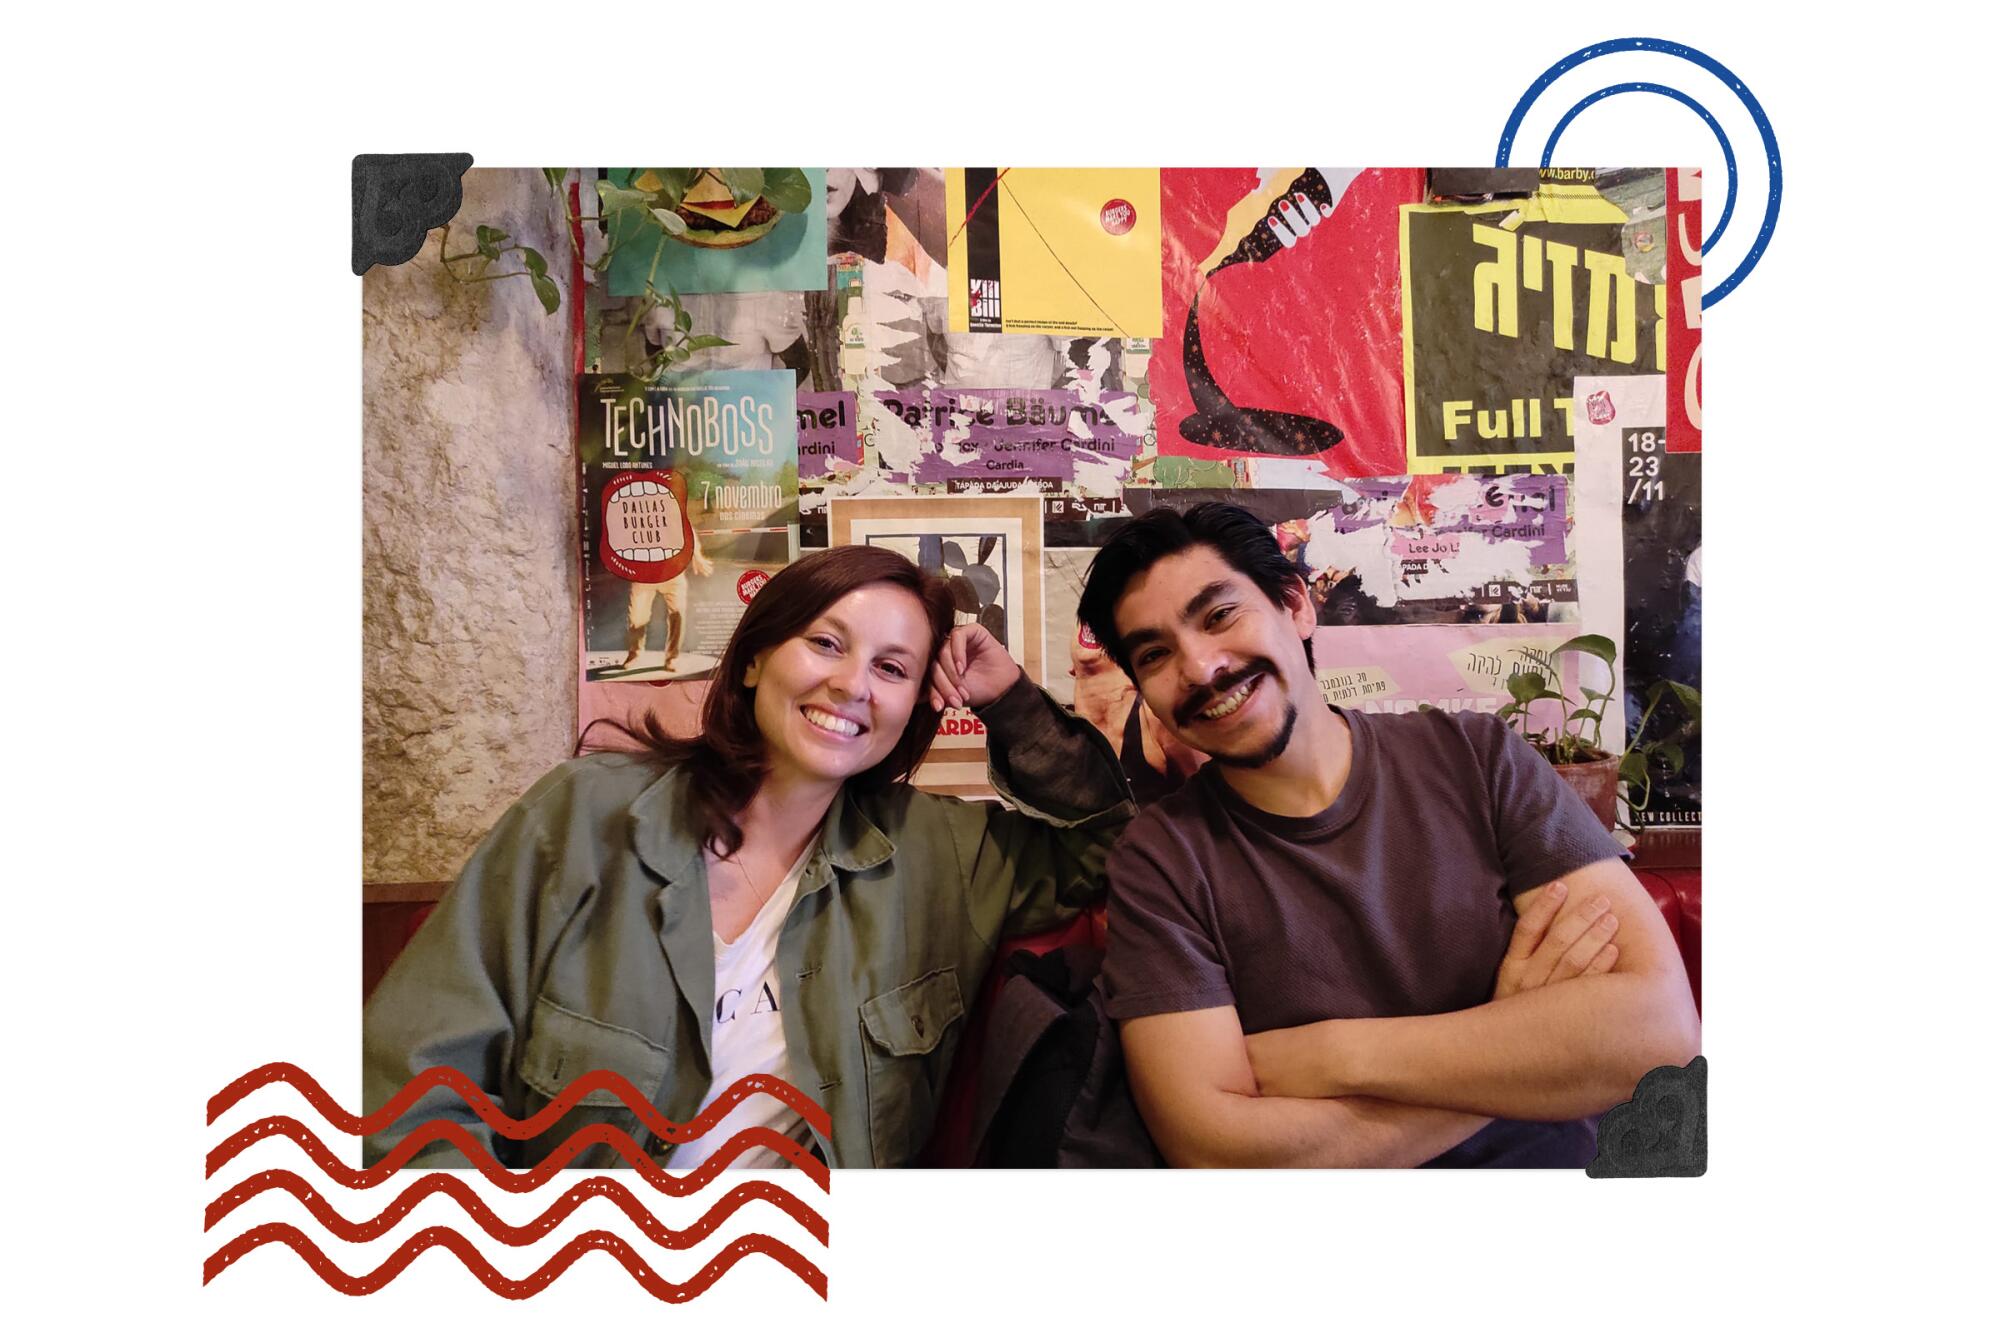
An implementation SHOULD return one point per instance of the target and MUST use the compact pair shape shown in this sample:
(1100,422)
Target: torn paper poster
(1419,550)
(1400,668)
(1506,302)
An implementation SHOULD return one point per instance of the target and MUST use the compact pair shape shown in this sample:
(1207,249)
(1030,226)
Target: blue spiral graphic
(1750,104)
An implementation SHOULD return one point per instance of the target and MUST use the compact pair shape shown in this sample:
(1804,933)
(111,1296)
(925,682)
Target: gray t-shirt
(1395,900)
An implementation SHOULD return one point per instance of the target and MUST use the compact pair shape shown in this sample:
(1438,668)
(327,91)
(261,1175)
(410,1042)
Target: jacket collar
(665,840)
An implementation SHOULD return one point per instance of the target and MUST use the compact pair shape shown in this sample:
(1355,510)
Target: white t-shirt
(748,1036)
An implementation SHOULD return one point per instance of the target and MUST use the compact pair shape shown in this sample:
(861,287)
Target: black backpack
(1052,1089)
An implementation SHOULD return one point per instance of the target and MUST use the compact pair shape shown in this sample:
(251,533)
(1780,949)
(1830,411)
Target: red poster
(1684,311)
(1295,347)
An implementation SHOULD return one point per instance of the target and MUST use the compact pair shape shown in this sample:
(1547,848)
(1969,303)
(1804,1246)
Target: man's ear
(1299,606)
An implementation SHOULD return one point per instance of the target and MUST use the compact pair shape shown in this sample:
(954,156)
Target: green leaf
(1596,645)
(534,261)
(703,341)
(1527,687)
(682,319)
(547,290)
(489,240)
(554,176)
(670,222)
(1632,768)
(675,182)
(745,183)
(616,199)
(1689,698)
(788,189)
(1585,715)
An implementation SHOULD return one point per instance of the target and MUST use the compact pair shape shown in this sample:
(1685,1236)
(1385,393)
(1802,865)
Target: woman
(770,896)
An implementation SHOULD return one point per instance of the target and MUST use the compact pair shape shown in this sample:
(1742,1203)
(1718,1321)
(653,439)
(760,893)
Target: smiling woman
(769,896)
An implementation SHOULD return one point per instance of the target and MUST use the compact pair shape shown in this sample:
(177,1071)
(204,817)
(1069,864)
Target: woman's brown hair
(725,759)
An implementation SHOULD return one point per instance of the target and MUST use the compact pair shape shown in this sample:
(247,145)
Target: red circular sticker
(1117,217)
(750,583)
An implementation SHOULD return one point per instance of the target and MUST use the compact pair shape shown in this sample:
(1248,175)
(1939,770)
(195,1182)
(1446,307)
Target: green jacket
(578,938)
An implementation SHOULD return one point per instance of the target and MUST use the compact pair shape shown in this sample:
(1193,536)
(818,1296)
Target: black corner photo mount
(1662,1131)
(398,198)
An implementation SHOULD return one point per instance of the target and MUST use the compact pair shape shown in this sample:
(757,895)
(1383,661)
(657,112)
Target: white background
(184,357)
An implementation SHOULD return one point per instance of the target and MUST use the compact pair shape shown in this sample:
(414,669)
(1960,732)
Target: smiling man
(1355,939)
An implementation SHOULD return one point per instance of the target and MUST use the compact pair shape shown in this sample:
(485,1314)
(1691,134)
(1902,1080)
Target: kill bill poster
(1509,299)
(690,502)
(1066,251)
(1283,339)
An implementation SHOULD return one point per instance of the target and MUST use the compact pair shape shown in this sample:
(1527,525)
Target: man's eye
(1220,616)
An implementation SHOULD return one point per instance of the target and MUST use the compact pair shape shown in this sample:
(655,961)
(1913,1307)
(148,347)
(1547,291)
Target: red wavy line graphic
(279,1233)
(596,1187)
(597,1080)
(521,1182)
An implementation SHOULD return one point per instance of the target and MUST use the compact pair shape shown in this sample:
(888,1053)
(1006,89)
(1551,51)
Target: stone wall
(469,596)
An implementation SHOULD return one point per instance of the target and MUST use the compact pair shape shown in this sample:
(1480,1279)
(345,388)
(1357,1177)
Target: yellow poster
(1073,252)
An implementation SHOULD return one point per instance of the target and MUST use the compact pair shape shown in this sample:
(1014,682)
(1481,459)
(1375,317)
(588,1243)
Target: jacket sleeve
(459,993)
(1034,866)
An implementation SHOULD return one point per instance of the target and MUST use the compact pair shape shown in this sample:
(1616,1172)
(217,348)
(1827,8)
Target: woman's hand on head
(972,670)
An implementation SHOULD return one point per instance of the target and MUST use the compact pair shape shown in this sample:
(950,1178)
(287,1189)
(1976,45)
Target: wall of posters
(689,502)
(1401,371)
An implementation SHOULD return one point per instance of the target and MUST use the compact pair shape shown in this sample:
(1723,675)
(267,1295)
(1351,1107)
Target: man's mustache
(1221,688)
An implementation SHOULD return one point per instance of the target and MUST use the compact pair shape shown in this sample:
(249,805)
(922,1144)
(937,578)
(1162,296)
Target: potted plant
(1574,745)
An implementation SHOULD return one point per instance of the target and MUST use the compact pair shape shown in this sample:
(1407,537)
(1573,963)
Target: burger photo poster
(765,244)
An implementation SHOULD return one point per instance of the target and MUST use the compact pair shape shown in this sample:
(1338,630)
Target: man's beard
(1221,689)
(1264,754)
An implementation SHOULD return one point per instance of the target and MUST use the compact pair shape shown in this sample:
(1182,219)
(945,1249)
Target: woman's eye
(895,669)
(823,643)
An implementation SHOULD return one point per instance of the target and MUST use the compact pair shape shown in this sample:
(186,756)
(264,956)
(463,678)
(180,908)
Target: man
(1309,943)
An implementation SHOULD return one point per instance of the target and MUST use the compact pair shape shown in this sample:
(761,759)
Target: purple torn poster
(1421,550)
(1024,435)
(829,436)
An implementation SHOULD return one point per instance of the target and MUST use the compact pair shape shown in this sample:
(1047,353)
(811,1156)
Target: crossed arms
(1575,1020)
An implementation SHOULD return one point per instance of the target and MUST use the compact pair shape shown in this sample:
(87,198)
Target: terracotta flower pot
(1597,783)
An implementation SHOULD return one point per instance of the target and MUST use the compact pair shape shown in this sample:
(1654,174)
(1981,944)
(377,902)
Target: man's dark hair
(1233,533)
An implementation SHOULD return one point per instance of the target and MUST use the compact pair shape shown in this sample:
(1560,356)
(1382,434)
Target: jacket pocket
(906,1053)
(564,1045)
